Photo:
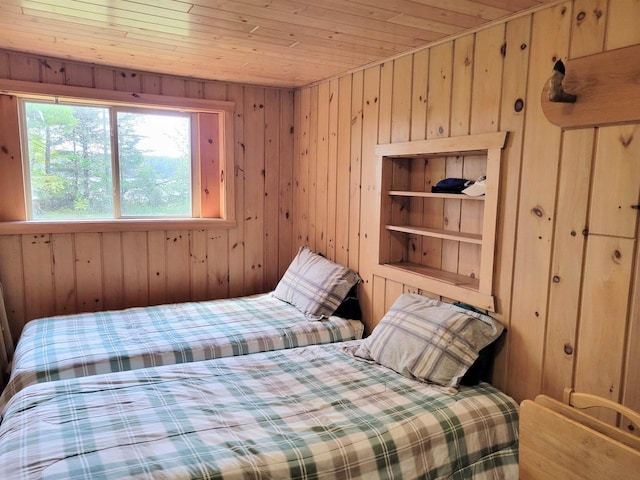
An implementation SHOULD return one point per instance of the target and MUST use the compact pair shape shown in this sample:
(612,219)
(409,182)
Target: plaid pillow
(429,340)
(315,285)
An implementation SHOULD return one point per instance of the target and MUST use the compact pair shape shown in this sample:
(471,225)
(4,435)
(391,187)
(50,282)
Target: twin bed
(168,392)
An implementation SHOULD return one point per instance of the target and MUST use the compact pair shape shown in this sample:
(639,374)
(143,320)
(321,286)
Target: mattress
(304,413)
(71,346)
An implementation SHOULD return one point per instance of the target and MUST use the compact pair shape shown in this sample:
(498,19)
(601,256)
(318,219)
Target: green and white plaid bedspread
(93,343)
(310,412)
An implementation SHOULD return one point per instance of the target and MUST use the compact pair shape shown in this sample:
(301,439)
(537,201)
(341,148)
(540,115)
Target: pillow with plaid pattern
(314,284)
(429,340)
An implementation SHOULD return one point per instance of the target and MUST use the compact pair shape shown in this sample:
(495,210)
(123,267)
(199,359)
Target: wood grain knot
(537,211)
(518,105)
(568,349)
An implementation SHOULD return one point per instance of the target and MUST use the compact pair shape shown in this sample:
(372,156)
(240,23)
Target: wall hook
(556,91)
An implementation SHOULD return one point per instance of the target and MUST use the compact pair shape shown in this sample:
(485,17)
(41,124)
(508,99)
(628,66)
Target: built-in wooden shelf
(450,196)
(417,225)
(438,233)
(437,275)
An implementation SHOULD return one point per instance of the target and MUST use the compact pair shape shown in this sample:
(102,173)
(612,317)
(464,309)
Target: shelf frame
(474,291)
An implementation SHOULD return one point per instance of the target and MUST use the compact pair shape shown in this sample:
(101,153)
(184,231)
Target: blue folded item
(451,185)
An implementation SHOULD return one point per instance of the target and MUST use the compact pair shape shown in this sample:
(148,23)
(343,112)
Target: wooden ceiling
(286,43)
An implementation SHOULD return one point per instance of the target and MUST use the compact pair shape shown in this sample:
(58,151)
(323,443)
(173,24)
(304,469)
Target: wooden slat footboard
(558,441)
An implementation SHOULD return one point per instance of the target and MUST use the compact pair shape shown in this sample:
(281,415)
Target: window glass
(154,153)
(69,150)
(75,173)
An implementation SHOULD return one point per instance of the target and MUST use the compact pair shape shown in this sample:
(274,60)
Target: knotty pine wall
(48,274)
(568,312)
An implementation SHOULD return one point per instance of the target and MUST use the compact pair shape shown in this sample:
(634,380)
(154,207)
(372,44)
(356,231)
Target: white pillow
(314,284)
(429,340)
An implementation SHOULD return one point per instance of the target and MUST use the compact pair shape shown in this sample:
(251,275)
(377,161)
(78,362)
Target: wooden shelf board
(440,275)
(446,284)
(439,147)
(438,233)
(454,196)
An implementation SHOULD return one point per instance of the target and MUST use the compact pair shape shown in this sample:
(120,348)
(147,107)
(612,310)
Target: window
(96,162)
(101,158)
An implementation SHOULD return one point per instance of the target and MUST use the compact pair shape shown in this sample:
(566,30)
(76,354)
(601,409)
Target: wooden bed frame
(558,441)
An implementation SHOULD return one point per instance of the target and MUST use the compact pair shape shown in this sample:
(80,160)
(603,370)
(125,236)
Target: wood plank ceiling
(287,43)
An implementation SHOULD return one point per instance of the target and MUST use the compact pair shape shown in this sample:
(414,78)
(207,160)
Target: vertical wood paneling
(616,184)
(369,170)
(401,132)
(602,327)
(64,275)
(53,71)
(574,180)
(198,265)
(355,180)
(217,264)
(104,78)
(236,236)
(568,252)
(550,34)
(130,81)
(461,90)
(385,101)
(178,263)
(514,105)
(439,91)
(12,279)
(38,275)
(88,271)
(622,24)
(420,73)
(332,170)
(4,65)
(24,67)
(254,190)
(157,267)
(271,187)
(135,261)
(344,175)
(12,193)
(588,29)
(630,384)
(113,293)
(488,63)
(322,169)
(152,84)
(286,177)
(303,169)
(312,169)
(79,75)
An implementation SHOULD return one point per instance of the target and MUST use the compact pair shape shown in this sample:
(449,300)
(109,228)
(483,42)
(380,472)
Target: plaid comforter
(92,343)
(311,412)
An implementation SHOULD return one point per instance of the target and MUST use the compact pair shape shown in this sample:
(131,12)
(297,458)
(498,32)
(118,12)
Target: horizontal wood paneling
(62,273)
(547,282)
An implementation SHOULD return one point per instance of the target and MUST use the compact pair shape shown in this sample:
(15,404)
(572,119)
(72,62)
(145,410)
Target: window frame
(212,207)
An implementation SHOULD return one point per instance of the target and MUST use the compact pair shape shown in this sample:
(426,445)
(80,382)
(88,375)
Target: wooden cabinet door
(616,186)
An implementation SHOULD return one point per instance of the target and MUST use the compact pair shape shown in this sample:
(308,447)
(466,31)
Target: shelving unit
(442,243)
